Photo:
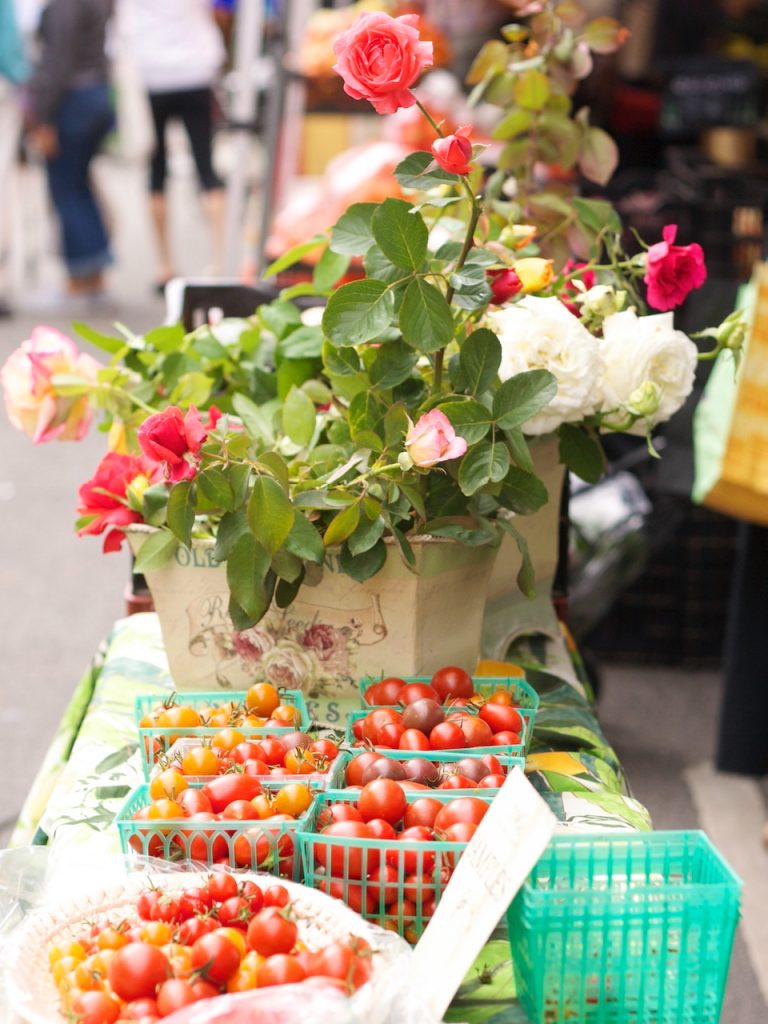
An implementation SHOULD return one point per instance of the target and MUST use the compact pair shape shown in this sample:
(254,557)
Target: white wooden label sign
(508,843)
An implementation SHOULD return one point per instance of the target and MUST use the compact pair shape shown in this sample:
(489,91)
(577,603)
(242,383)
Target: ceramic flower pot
(509,613)
(396,623)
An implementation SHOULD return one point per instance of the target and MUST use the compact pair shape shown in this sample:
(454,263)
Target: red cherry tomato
(422,812)
(136,970)
(492,781)
(452,682)
(389,735)
(338,812)
(447,736)
(173,995)
(276,896)
(502,718)
(381,829)
(468,809)
(348,861)
(357,766)
(222,790)
(280,969)
(386,691)
(414,739)
(270,933)
(505,738)
(458,782)
(354,896)
(382,798)
(417,691)
(95,1007)
(215,958)
(413,860)
(193,801)
(221,886)
(477,733)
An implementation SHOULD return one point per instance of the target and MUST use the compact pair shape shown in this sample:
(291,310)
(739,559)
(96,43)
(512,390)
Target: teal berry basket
(445,760)
(268,846)
(156,741)
(345,867)
(625,929)
(512,749)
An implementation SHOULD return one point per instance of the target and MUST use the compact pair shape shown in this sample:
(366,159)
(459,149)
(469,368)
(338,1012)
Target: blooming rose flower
(379,59)
(672,271)
(453,152)
(103,497)
(289,665)
(535,272)
(540,334)
(169,437)
(504,284)
(432,439)
(31,400)
(573,288)
(638,350)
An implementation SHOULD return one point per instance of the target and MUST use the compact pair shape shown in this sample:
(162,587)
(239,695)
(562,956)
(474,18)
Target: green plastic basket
(442,758)
(625,929)
(513,749)
(370,899)
(273,846)
(523,693)
(155,742)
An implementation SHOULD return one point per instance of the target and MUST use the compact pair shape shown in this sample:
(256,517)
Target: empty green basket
(631,928)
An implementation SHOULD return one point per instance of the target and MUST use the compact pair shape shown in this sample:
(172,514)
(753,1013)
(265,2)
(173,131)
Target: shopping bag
(730,427)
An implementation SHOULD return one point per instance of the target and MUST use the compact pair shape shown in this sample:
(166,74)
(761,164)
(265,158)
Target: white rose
(637,350)
(541,334)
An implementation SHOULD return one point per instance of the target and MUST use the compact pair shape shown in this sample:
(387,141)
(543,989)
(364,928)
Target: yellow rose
(534,271)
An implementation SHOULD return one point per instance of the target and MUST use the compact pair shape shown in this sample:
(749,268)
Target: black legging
(194,108)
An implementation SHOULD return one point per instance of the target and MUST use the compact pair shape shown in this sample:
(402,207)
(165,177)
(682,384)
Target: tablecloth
(93,762)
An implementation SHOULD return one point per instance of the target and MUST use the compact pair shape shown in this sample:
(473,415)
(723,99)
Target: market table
(93,762)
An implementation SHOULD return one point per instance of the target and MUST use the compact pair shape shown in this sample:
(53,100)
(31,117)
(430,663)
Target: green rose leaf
(532,89)
(256,419)
(303,343)
(516,122)
(351,235)
(181,510)
(154,503)
(285,591)
(479,359)
(377,265)
(519,450)
(522,396)
(216,486)
(247,568)
(581,452)
(392,364)
(426,322)
(367,533)
(412,172)
(270,514)
(473,532)
(522,492)
(470,419)
(292,373)
(342,525)
(598,156)
(156,551)
(299,417)
(304,541)
(597,214)
(526,577)
(362,566)
(487,462)
(293,255)
(105,342)
(396,424)
(400,233)
(287,566)
(231,527)
(329,268)
(366,416)
(358,312)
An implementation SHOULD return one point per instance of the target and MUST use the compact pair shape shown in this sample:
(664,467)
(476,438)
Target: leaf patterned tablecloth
(93,763)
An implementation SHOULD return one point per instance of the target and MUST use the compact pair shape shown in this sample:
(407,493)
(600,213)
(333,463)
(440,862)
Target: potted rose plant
(381,444)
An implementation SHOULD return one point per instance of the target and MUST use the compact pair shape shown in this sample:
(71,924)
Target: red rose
(671,271)
(379,59)
(504,284)
(103,497)
(169,437)
(453,152)
(588,279)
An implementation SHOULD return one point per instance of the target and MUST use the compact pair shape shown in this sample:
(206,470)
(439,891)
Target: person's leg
(161,106)
(10,127)
(83,121)
(742,743)
(197,116)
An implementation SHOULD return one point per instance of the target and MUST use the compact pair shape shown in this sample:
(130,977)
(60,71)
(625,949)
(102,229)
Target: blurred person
(13,71)
(178,52)
(70,114)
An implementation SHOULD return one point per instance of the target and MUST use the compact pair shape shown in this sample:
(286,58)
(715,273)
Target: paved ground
(59,596)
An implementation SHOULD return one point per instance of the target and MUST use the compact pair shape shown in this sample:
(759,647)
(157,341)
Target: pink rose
(671,271)
(504,284)
(103,501)
(170,437)
(453,152)
(432,439)
(31,399)
(379,59)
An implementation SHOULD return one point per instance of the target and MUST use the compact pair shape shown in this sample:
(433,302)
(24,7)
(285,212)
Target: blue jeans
(84,118)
